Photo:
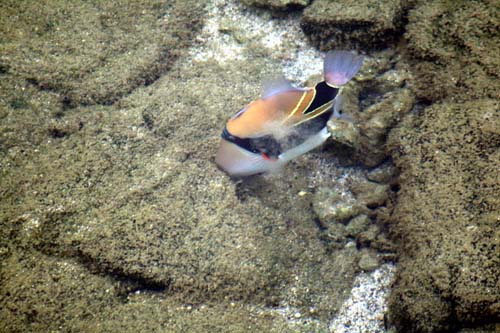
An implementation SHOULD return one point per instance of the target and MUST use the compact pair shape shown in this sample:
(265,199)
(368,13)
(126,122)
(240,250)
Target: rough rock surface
(94,52)
(457,46)
(353,23)
(446,219)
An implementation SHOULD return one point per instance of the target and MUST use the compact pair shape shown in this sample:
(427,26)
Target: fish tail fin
(341,66)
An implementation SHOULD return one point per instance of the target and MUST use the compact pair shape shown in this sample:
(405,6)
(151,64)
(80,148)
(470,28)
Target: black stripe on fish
(324,94)
(267,144)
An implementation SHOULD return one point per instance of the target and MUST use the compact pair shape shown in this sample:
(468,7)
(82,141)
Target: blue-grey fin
(340,66)
(275,86)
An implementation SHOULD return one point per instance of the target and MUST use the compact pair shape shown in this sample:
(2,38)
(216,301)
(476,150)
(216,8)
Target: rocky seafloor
(114,216)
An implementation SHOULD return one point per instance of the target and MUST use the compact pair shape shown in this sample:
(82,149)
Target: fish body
(286,122)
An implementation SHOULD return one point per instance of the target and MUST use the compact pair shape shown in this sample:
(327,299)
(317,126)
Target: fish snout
(238,162)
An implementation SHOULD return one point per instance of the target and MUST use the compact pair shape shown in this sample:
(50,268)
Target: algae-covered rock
(447,217)
(374,103)
(457,45)
(370,194)
(331,207)
(93,52)
(352,24)
(447,213)
(130,192)
(180,239)
(382,174)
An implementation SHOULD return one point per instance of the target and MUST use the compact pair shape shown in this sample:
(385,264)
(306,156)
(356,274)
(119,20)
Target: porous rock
(331,207)
(368,260)
(447,217)
(456,45)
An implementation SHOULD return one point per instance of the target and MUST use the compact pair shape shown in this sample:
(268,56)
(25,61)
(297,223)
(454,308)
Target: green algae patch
(93,52)
(447,217)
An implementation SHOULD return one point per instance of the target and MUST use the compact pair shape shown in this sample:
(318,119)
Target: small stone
(368,261)
(382,174)
(357,225)
(344,132)
(332,208)
(367,237)
(335,235)
(371,194)
(345,212)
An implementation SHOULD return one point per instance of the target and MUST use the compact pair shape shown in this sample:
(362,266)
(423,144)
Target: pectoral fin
(312,142)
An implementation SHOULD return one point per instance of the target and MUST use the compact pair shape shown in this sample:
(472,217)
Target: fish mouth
(239,162)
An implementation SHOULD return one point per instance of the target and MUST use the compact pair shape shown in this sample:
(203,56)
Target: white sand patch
(231,29)
(364,310)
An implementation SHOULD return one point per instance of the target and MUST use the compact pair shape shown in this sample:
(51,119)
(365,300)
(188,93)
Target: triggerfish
(286,122)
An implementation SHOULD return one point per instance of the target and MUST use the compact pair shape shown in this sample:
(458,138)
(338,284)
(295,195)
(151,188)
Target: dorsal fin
(275,86)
